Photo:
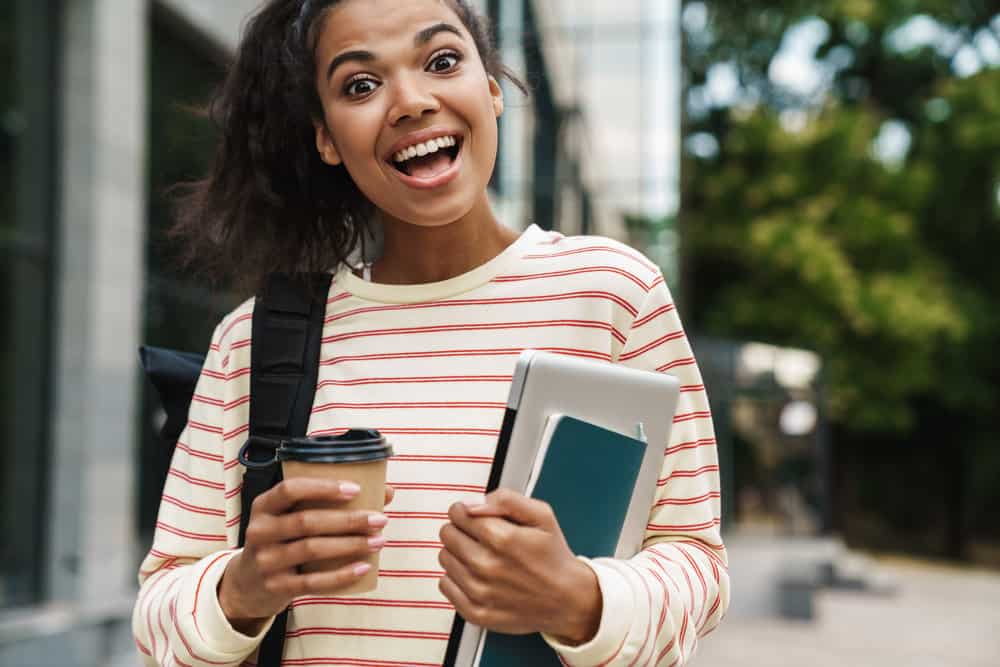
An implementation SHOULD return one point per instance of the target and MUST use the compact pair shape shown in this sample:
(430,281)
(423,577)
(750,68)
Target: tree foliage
(801,228)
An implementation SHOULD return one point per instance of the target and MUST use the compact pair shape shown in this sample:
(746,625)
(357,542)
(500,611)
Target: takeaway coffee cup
(358,456)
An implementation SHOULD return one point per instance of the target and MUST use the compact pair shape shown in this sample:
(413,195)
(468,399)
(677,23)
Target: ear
(497,93)
(324,144)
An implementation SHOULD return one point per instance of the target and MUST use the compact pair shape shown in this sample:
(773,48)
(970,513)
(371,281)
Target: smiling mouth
(428,159)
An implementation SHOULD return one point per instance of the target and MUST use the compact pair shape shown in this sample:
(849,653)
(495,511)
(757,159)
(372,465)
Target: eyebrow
(420,39)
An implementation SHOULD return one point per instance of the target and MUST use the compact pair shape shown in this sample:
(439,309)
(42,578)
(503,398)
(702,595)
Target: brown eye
(444,62)
(360,87)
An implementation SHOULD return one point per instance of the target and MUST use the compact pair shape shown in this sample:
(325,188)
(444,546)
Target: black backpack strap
(284,368)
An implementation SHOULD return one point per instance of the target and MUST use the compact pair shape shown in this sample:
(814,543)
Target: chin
(430,215)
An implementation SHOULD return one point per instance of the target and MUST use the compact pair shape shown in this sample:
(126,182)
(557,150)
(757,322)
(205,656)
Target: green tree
(798,228)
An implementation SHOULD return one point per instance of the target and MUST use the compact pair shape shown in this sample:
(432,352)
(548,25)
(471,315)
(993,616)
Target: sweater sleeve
(676,589)
(177,619)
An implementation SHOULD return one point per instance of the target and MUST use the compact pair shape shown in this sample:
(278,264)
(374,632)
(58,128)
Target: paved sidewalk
(939,617)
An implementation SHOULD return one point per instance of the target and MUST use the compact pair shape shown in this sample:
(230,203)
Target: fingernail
(377,520)
(474,501)
(349,488)
(361,568)
(376,543)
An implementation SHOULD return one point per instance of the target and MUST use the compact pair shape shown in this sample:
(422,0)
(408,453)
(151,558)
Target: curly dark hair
(269,203)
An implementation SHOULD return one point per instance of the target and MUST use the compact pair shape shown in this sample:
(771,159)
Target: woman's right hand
(262,579)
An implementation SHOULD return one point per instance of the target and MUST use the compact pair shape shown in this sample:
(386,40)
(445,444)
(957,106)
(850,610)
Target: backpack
(287,330)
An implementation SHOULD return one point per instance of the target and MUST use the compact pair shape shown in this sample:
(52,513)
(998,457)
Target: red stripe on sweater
(418,458)
(236,320)
(416,515)
(412,574)
(664,606)
(236,403)
(704,586)
(693,444)
(652,315)
(367,632)
(687,473)
(684,526)
(238,344)
(571,272)
(613,655)
(691,416)
(210,511)
(597,248)
(707,550)
(159,618)
(442,379)
(147,615)
(573,352)
(355,662)
(694,600)
(443,405)
(338,297)
(208,428)
(201,537)
(666,649)
(168,564)
(207,400)
(541,298)
(688,501)
(194,615)
(485,432)
(197,453)
(666,338)
(491,326)
(680,647)
(649,613)
(372,602)
(407,486)
(711,612)
(686,361)
(207,483)
(240,430)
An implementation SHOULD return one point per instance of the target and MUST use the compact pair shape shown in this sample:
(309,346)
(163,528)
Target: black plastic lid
(355,446)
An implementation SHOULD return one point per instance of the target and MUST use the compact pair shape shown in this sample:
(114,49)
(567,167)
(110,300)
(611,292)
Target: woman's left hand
(508,569)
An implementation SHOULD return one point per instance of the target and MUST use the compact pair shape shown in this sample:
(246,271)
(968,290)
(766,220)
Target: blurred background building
(818,181)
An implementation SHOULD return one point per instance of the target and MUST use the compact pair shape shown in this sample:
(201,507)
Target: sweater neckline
(464,282)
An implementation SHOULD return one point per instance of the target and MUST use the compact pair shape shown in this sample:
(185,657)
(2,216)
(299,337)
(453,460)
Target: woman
(337,118)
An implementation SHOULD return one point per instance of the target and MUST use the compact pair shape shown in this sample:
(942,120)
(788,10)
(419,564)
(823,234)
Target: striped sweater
(430,366)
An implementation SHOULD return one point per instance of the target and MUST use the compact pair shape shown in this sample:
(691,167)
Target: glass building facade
(594,148)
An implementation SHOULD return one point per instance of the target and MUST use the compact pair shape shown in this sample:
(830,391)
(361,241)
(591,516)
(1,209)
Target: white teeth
(431,146)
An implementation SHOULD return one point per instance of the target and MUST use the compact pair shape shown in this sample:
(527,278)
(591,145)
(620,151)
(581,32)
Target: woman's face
(409,109)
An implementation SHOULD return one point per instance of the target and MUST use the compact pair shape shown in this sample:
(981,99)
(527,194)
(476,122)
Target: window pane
(26,212)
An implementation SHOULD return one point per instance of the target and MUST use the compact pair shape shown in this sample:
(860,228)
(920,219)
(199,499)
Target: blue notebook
(590,514)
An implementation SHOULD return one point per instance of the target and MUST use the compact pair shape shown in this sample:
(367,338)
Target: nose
(411,100)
